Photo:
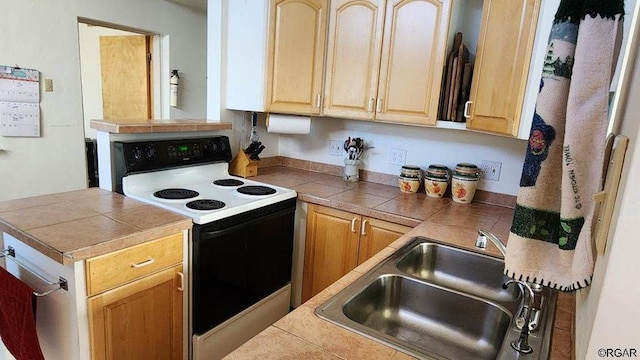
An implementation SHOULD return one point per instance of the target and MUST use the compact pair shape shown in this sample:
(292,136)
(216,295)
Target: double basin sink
(435,301)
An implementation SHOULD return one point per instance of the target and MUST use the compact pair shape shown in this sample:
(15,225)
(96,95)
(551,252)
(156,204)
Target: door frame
(159,69)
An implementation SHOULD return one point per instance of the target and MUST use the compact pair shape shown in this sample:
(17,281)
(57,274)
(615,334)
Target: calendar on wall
(19,101)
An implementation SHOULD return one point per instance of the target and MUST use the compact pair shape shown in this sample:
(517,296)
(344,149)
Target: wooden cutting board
(446,83)
(463,58)
(464,90)
(452,85)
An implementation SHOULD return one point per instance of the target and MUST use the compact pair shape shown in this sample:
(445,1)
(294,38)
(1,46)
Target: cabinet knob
(353,224)
(370,105)
(318,101)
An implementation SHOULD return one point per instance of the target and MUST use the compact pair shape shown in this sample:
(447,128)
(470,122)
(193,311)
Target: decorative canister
(436,180)
(464,183)
(409,179)
(408,184)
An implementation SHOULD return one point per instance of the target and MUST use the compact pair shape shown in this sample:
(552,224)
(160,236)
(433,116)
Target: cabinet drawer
(110,270)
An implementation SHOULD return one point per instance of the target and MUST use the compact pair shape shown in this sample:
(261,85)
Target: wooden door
(502,65)
(376,235)
(139,320)
(353,58)
(413,52)
(125,77)
(296,55)
(331,248)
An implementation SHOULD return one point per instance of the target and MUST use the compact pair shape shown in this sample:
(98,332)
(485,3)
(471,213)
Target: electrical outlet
(335,147)
(490,170)
(398,157)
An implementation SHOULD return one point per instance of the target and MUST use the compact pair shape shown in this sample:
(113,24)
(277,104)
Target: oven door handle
(207,235)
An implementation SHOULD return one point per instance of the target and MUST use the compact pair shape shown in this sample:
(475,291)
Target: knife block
(242,166)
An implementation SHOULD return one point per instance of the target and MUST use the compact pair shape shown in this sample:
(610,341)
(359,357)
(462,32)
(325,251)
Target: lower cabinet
(338,241)
(139,318)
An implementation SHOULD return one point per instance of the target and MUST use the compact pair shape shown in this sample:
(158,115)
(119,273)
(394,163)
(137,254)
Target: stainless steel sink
(452,325)
(458,269)
(435,301)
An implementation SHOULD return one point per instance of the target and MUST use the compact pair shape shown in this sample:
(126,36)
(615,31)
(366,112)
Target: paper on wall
(19,101)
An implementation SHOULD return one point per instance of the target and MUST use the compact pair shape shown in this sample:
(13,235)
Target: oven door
(240,260)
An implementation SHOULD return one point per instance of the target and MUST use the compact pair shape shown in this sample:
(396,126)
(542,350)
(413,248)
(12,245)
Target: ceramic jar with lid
(409,179)
(464,182)
(436,180)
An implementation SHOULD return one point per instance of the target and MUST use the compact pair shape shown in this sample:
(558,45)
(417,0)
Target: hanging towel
(17,318)
(550,240)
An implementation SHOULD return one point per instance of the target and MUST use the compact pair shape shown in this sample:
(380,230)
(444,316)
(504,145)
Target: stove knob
(171,151)
(137,154)
(212,146)
(151,152)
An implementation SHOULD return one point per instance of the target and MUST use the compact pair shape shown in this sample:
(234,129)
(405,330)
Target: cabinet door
(413,52)
(296,55)
(353,58)
(331,248)
(140,320)
(502,64)
(376,235)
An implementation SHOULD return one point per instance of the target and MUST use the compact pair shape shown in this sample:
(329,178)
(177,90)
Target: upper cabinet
(385,60)
(499,82)
(275,55)
(295,53)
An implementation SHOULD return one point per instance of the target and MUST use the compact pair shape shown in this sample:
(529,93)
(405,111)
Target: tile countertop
(303,335)
(77,225)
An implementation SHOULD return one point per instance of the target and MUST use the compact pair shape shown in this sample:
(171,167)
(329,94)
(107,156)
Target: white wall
(44,35)
(424,146)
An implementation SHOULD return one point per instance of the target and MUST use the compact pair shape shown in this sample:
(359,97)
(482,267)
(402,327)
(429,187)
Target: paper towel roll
(288,124)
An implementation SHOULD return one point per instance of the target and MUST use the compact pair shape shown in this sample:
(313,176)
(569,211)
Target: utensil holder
(351,170)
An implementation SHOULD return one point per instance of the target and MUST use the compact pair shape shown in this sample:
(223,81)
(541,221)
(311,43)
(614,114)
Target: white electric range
(241,248)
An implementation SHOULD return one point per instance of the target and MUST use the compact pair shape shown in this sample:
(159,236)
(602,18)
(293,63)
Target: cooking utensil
(254,155)
(252,147)
(254,132)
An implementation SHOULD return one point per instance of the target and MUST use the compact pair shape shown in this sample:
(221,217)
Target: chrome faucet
(481,241)
(522,344)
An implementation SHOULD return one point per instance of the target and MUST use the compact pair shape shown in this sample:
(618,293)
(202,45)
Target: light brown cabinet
(136,308)
(338,241)
(295,54)
(505,45)
(385,59)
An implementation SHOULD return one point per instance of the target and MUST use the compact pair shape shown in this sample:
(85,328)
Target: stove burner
(228,182)
(256,190)
(175,194)
(205,204)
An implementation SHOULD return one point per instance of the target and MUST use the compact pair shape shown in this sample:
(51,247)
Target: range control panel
(134,156)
